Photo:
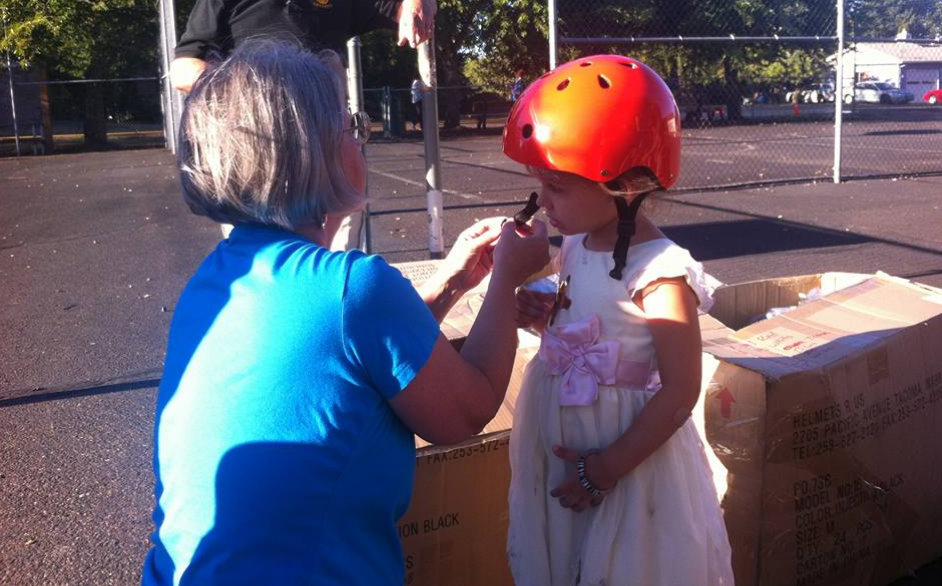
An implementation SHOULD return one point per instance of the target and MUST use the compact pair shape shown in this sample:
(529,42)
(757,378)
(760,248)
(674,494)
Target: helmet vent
(563,84)
(629,64)
(586,64)
(527,130)
(604,82)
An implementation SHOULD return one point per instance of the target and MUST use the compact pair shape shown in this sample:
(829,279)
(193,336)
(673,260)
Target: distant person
(295,377)
(610,482)
(215,27)
(518,86)
(416,112)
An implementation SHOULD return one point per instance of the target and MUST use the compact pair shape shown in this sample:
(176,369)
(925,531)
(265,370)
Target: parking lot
(96,248)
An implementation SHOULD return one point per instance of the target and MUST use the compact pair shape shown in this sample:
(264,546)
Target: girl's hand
(570,493)
(519,254)
(533,308)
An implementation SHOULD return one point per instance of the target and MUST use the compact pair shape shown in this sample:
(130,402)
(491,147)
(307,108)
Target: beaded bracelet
(583,479)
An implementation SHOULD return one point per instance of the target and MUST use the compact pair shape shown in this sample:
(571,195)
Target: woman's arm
(455,395)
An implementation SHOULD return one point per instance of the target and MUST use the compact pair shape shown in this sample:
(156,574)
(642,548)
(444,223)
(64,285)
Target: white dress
(662,523)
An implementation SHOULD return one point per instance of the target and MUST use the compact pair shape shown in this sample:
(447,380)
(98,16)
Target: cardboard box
(825,427)
(455,531)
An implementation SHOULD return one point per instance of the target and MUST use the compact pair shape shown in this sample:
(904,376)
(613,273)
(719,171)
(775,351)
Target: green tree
(506,36)
(480,32)
(84,39)
(886,18)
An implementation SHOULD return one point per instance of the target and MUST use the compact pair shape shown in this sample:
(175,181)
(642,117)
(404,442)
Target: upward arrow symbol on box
(727,400)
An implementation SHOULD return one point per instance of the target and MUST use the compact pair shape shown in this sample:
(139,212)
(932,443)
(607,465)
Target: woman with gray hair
(296,377)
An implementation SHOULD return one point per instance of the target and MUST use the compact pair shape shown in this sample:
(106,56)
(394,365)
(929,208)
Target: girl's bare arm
(671,309)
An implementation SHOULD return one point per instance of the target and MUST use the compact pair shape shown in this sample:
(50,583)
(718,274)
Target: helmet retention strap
(627,213)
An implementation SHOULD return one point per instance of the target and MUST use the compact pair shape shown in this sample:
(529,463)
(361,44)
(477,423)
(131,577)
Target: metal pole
(354,74)
(551,9)
(387,112)
(433,171)
(839,92)
(16,128)
(171,99)
(355,91)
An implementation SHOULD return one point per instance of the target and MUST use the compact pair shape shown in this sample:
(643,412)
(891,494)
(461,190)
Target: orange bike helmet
(597,117)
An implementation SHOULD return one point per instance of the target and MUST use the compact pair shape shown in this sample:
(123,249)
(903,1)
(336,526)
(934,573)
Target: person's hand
(472,256)
(184,71)
(416,21)
(520,252)
(571,494)
(533,308)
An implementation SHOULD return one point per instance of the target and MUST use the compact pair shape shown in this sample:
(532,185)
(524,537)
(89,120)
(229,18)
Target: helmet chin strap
(626,229)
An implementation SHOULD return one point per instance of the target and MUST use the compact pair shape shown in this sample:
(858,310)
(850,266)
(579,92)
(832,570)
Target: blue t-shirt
(278,459)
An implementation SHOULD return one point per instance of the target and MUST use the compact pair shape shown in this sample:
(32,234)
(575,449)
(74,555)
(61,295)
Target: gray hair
(261,138)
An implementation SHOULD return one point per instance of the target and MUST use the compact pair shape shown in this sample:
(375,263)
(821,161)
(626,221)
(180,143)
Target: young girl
(611,484)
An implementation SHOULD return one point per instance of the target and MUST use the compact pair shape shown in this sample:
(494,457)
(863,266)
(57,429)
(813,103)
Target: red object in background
(933,97)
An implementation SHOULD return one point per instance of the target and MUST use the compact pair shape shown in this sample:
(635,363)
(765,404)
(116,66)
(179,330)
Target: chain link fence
(39,116)
(53,115)
(756,83)
(461,108)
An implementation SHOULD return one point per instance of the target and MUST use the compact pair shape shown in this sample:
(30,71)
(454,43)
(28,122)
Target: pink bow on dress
(574,352)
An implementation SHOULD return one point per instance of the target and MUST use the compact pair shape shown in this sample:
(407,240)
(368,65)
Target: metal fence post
(171,99)
(387,112)
(16,128)
(551,10)
(433,171)
(839,92)
(355,91)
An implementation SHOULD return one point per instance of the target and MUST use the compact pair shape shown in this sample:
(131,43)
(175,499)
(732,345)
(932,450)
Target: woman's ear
(333,61)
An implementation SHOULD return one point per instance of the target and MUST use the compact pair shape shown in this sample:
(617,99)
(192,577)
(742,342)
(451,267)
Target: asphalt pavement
(95,248)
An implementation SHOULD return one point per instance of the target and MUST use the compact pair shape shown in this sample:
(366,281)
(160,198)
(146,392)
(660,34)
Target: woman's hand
(570,493)
(472,256)
(533,308)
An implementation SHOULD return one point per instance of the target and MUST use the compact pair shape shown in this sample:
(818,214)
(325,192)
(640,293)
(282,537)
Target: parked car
(818,93)
(878,92)
(933,97)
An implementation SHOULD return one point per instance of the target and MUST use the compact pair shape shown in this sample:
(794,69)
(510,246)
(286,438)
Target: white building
(909,66)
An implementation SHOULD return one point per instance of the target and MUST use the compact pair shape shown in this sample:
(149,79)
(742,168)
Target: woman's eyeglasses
(360,126)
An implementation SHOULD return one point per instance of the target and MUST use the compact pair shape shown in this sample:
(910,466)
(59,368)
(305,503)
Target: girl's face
(574,205)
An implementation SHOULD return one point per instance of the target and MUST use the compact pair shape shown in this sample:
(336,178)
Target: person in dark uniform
(218,26)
